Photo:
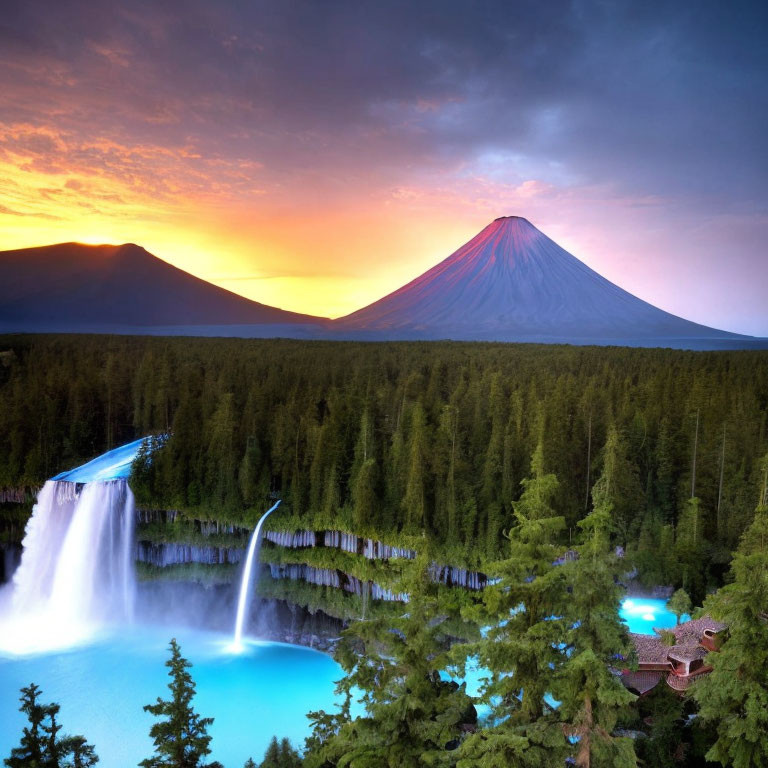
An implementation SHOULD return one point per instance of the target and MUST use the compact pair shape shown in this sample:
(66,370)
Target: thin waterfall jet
(245,582)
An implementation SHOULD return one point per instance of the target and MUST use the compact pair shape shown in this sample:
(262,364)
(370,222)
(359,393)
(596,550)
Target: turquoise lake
(101,687)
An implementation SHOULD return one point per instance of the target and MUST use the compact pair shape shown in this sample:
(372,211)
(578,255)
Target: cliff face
(21,495)
(10,556)
(160,554)
(287,555)
(311,583)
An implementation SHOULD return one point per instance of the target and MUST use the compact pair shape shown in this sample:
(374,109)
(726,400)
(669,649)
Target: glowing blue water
(112,465)
(642,614)
(266,690)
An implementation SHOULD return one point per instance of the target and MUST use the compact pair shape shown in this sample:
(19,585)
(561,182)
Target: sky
(316,155)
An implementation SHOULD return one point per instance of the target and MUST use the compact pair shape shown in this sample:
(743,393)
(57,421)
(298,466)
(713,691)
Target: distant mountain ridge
(509,283)
(72,286)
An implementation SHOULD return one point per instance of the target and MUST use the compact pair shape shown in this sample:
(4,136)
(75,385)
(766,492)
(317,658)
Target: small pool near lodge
(642,615)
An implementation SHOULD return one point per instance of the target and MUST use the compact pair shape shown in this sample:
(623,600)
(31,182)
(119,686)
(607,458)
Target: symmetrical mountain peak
(511,282)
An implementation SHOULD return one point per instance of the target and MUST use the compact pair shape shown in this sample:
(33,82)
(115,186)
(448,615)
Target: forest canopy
(398,438)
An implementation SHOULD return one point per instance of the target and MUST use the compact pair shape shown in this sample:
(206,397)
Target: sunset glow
(319,176)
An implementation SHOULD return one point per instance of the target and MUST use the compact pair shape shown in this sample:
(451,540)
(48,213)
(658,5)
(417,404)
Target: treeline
(393,439)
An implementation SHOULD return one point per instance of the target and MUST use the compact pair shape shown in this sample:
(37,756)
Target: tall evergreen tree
(181,735)
(412,715)
(289,756)
(592,698)
(414,499)
(690,549)
(734,696)
(619,485)
(364,496)
(447,449)
(33,748)
(521,649)
(40,745)
(279,754)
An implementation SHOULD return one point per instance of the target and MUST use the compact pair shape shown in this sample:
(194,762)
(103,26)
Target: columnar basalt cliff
(162,554)
(21,495)
(177,548)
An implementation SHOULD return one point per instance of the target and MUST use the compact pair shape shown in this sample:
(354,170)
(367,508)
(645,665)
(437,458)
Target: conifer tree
(271,756)
(493,466)
(521,648)
(446,449)
(364,495)
(289,757)
(680,604)
(414,499)
(83,754)
(690,548)
(40,745)
(734,696)
(33,747)
(619,485)
(413,715)
(181,735)
(278,755)
(592,698)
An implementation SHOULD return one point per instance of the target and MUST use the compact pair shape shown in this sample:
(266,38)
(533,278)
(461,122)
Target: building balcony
(682,682)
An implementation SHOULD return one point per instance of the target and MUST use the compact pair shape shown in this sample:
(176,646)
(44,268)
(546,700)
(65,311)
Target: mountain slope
(512,283)
(74,286)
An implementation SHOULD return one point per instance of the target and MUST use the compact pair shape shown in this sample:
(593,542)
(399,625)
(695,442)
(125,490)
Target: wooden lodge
(680,662)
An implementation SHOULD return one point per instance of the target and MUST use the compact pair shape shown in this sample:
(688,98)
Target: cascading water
(245,582)
(77,568)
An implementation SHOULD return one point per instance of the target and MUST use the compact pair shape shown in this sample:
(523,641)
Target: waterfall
(77,571)
(245,582)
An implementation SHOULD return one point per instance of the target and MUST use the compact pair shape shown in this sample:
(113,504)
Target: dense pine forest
(557,470)
(395,439)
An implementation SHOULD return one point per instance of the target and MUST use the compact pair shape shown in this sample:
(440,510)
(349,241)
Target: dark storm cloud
(655,97)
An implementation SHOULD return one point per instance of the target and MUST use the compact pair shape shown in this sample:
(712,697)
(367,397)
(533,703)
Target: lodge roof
(687,652)
(650,649)
(698,627)
(679,683)
(641,681)
(687,646)
(653,653)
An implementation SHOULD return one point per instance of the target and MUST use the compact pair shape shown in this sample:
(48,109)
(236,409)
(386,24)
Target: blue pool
(642,614)
(102,687)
